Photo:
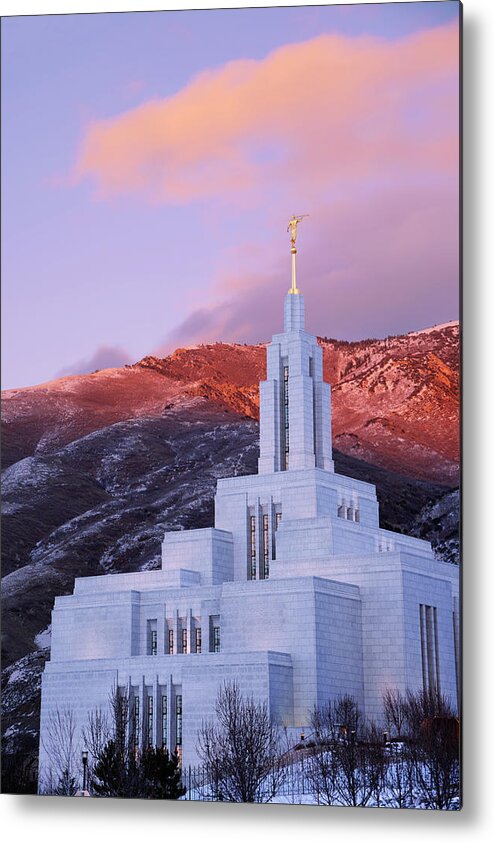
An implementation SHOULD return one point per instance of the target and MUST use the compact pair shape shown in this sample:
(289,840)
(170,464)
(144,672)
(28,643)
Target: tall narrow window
(253,547)
(277,521)
(164,721)
(286,426)
(430,647)
(198,640)
(216,638)
(136,723)
(178,710)
(152,637)
(170,641)
(150,721)
(314,408)
(456,641)
(265,545)
(184,641)
(436,649)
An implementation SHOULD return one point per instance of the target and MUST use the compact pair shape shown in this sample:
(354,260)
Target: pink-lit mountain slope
(395,401)
(97,468)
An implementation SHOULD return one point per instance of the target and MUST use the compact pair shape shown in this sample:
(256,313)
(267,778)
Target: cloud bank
(330,109)
(362,133)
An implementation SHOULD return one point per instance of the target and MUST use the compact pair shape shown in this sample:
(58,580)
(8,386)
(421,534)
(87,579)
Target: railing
(292,785)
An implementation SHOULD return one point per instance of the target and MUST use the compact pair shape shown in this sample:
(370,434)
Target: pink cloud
(361,133)
(309,115)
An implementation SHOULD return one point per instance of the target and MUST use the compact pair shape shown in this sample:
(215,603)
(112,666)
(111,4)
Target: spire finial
(292,228)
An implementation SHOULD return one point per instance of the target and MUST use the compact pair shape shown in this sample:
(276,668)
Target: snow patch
(454,323)
(17,674)
(43,639)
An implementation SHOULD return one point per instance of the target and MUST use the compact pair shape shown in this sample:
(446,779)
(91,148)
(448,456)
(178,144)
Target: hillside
(97,467)
(395,401)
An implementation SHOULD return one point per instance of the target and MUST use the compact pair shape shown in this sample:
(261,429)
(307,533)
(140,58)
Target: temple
(296,592)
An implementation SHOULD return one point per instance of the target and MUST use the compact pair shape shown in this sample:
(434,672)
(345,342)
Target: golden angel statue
(292,227)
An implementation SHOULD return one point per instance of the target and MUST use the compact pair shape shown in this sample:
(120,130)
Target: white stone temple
(295,592)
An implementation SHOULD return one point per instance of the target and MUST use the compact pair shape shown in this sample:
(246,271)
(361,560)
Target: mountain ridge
(395,401)
(96,468)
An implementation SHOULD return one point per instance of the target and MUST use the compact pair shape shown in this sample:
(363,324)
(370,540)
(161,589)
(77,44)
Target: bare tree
(398,789)
(394,711)
(346,765)
(423,765)
(421,705)
(373,748)
(95,735)
(241,749)
(434,731)
(321,768)
(353,763)
(60,744)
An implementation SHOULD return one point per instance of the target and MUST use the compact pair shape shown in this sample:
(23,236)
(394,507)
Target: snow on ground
(43,639)
(27,472)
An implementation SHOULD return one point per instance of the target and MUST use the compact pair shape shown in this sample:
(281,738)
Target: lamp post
(84,770)
(84,790)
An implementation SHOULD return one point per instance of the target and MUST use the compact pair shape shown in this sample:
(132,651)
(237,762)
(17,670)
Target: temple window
(252,546)
(265,545)
(178,713)
(429,644)
(286,424)
(150,721)
(164,721)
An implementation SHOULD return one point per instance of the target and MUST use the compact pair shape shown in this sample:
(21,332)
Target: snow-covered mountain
(395,400)
(97,467)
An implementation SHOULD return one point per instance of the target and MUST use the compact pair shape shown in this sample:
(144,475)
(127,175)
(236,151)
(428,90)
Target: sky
(151,161)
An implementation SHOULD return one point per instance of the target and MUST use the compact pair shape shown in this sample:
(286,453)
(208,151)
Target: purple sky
(151,162)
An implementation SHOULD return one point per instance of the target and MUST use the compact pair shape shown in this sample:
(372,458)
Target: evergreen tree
(152,774)
(66,784)
(160,775)
(109,778)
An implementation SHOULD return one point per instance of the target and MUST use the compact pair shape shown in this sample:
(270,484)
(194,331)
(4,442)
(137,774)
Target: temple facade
(296,592)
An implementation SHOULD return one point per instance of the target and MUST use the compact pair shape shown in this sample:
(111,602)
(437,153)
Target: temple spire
(292,228)
(295,402)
